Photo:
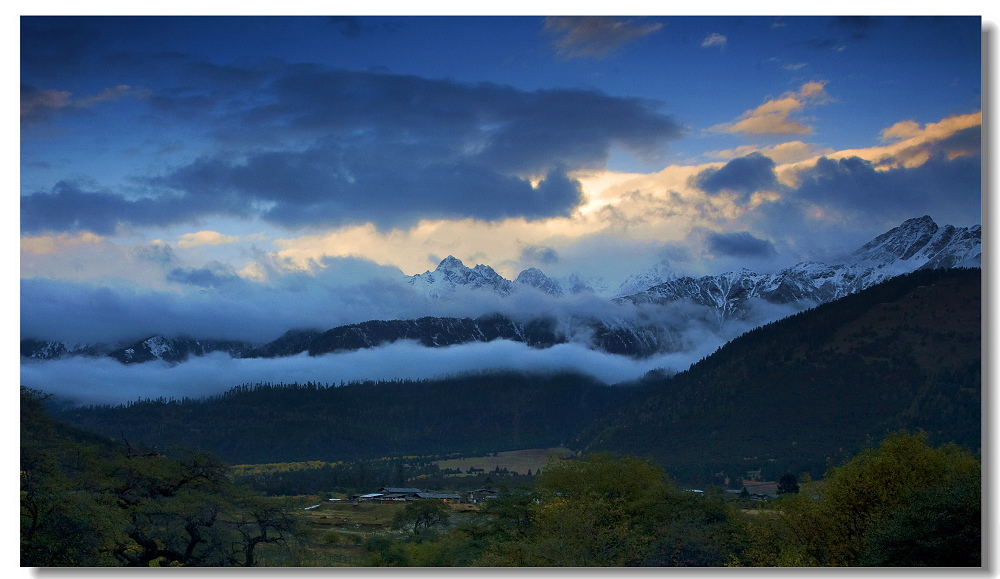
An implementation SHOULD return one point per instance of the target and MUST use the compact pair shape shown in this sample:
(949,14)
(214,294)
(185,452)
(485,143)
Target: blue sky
(185,171)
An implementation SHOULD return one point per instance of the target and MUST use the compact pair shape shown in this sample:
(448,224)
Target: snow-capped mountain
(645,279)
(916,244)
(451,273)
(533,277)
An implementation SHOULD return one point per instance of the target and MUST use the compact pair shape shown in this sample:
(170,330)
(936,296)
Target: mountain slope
(808,389)
(297,422)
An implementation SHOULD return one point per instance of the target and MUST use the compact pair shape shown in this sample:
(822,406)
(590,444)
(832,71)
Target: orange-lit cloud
(908,146)
(189,240)
(773,117)
(48,244)
(782,153)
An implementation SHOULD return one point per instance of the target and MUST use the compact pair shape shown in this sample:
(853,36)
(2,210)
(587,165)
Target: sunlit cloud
(189,240)
(908,145)
(48,244)
(790,152)
(773,117)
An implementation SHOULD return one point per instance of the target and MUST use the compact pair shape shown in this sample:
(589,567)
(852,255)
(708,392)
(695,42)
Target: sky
(240,176)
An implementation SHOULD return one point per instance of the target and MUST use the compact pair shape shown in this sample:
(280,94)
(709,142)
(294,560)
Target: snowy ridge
(451,273)
(916,244)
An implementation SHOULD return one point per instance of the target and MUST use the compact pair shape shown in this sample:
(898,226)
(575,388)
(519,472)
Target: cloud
(38,104)
(714,39)
(594,36)
(539,254)
(213,275)
(70,208)
(189,240)
(743,176)
(773,117)
(741,244)
(44,245)
(317,146)
(85,381)
(942,187)
(783,153)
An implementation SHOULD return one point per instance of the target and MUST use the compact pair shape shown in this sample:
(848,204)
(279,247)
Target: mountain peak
(534,277)
(902,242)
(450,263)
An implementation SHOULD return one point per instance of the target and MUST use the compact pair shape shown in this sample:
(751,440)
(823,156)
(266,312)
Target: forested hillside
(809,391)
(265,423)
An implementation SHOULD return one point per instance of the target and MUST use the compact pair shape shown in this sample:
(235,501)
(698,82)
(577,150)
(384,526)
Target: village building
(480,495)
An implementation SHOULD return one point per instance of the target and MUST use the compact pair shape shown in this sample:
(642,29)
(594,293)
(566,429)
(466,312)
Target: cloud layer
(311,146)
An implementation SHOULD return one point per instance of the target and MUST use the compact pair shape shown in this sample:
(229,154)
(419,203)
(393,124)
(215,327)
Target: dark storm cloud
(68,207)
(321,186)
(321,146)
(741,244)
(743,175)
(939,186)
(844,203)
(595,36)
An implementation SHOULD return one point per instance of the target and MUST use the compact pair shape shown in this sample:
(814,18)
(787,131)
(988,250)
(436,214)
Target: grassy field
(519,461)
(335,533)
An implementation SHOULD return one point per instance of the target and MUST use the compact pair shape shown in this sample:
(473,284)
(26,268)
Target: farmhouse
(446,497)
(761,490)
(396,494)
(481,495)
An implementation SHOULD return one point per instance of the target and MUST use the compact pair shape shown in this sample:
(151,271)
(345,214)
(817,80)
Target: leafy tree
(88,501)
(596,511)
(424,513)
(262,521)
(788,484)
(938,528)
(902,503)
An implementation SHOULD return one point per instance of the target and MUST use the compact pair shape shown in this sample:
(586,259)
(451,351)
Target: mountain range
(796,395)
(916,244)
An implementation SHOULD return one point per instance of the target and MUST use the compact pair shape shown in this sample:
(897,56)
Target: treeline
(807,392)
(265,423)
(903,503)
